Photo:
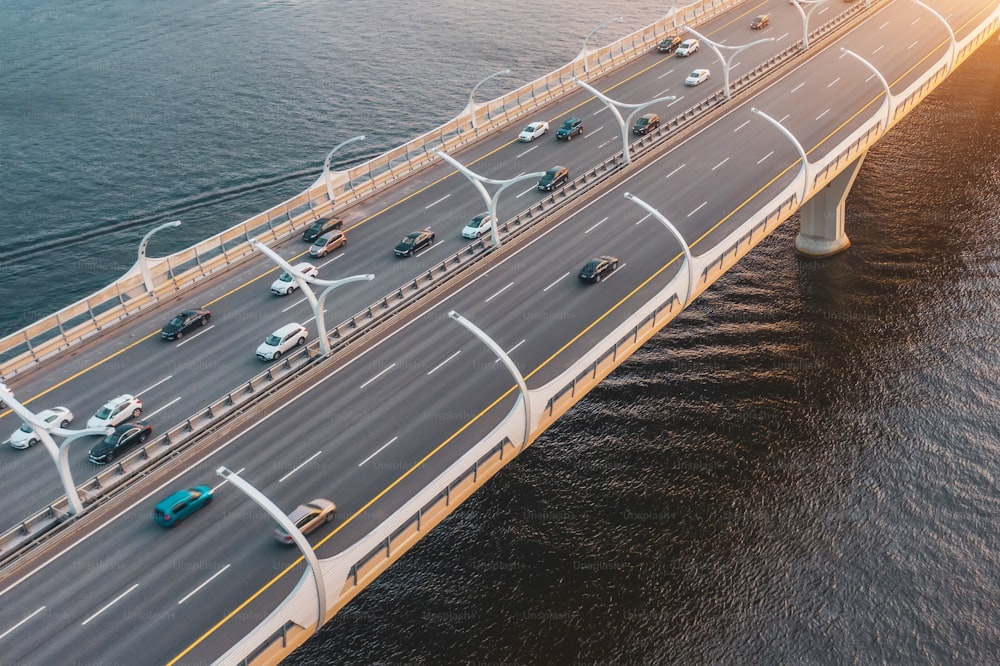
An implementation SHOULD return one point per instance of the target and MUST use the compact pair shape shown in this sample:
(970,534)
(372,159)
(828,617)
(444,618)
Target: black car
(320,227)
(597,268)
(185,322)
(124,437)
(413,242)
(646,123)
(569,128)
(669,44)
(553,178)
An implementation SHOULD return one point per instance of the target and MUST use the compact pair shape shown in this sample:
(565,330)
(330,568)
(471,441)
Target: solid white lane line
(509,285)
(697,209)
(720,164)
(153,386)
(527,151)
(210,579)
(22,622)
(512,349)
(745,123)
(676,170)
(391,366)
(298,302)
(437,202)
(833,83)
(765,157)
(822,114)
(556,281)
(431,371)
(109,605)
(378,452)
(300,465)
(596,225)
(797,87)
(188,339)
(225,481)
(152,414)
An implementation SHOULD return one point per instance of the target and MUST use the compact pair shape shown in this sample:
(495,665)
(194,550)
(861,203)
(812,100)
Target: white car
(116,411)
(688,46)
(286,284)
(25,437)
(287,337)
(477,226)
(697,77)
(533,131)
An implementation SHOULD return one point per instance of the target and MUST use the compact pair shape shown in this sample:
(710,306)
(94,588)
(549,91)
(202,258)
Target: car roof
(288,328)
(330,234)
(168,502)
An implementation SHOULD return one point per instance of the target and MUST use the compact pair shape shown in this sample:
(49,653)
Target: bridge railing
(128,295)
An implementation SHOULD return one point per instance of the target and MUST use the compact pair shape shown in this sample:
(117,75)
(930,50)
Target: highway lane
(296,433)
(175,379)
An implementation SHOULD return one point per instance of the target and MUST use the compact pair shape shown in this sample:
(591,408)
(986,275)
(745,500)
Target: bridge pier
(821,230)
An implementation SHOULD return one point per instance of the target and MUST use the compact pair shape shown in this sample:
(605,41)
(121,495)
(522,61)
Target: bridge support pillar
(821,232)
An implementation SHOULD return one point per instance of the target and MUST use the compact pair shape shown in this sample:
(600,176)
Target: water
(801,469)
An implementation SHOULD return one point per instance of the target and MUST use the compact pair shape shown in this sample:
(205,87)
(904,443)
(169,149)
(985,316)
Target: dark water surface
(803,468)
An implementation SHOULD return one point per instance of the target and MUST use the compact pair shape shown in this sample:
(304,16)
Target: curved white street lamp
(491,202)
(804,170)
(951,33)
(688,258)
(59,453)
(281,518)
(584,52)
(726,64)
(327,175)
(812,4)
(471,108)
(507,361)
(885,86)
(623,124)
(144,266)
(304,282)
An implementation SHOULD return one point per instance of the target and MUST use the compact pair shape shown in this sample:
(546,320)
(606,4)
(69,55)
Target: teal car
(178,506)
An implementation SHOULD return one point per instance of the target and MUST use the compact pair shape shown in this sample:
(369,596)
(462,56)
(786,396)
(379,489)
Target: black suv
(669,44)
(569,128)
(124,437)
(646,123)
(553,178)
(320,227)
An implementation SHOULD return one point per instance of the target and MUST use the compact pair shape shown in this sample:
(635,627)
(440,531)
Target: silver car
(308,518)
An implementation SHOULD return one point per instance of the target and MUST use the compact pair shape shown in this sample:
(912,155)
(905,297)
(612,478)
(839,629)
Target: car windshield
(112,438)
(529,128)
(103,413)
(272,340)
(568,124)
(642,121)
(409,240)
(316,226)
(321,241)
(25,427)
(592,265)
(177,321)
(286,277)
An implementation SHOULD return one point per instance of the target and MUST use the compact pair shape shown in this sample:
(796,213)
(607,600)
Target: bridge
(414,414)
